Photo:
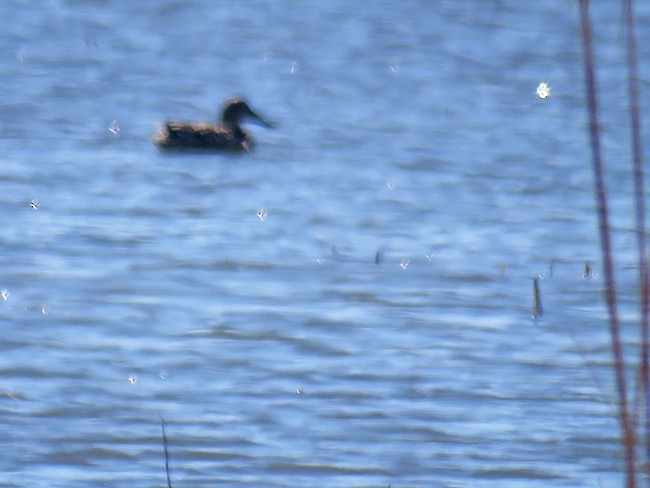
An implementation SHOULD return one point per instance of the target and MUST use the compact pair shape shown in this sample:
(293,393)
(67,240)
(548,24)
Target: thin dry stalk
(637,158)
(606,248)
(162,425)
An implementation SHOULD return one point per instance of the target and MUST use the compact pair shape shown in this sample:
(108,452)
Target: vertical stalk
(162,425)
(637,158)
(538,309)
(608,267)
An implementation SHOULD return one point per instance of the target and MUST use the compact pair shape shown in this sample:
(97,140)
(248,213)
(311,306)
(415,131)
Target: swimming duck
(224,136)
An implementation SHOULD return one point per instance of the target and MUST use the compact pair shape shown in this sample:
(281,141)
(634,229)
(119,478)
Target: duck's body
(225,136)
(178,135)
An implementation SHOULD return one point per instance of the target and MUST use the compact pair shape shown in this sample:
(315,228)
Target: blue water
(372,325)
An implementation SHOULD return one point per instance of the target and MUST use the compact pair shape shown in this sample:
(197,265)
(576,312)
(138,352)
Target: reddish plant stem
(606,248)
(637,158)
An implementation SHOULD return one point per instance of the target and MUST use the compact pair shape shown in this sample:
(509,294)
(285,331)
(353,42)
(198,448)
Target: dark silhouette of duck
(224,136)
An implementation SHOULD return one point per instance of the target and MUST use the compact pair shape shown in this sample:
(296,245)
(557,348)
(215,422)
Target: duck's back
(178,135)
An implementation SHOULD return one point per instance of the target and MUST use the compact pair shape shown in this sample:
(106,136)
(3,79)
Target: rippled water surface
(348,306)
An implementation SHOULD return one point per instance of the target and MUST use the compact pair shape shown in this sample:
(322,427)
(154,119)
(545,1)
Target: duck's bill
(261,121)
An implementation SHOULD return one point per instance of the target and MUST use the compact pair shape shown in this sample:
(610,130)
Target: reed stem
(606,248)
(639,195)
(538,309)
(162,424)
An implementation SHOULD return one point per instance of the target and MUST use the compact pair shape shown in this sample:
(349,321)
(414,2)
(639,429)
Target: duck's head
(236,110)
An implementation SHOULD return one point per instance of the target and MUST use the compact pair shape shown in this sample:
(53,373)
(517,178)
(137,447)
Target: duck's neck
(230,124)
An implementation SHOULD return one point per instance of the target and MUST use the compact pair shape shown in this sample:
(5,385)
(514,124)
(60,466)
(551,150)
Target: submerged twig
(608,268)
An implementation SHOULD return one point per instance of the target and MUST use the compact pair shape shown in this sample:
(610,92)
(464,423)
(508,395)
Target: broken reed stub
(538,309)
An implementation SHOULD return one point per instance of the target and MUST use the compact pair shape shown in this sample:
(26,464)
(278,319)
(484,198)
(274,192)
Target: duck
(227,135)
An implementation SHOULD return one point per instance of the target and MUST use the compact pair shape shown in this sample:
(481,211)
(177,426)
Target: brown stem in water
(606,248)
(637,158)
